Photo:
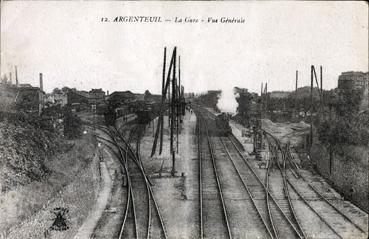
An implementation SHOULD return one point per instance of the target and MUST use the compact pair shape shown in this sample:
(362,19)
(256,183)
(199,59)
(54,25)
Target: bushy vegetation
(243,109)
(25,143)
(210,99)
(73,127)
(341,131)
(298,101)
(27,120)
(347,126)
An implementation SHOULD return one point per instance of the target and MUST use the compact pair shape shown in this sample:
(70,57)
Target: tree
(72,125)
(57,91)
(65,89)
(243,108)
(346,102)
(346,128)
(210,99)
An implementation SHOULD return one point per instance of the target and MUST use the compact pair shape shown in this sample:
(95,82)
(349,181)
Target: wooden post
(311,105)
(266,98)
(162,103)
(297,79)
(261,99)
(296,106)
(178,99)
(173,111)
(16,76)
(321,92)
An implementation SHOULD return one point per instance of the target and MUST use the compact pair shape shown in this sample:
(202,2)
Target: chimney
(297,80)
(16,77)
(10,78)
(41,83)
(107,93)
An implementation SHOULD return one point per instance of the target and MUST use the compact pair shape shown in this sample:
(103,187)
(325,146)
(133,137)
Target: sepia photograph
(184,119)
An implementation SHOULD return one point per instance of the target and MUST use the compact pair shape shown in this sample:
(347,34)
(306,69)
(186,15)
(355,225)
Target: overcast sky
(67,43)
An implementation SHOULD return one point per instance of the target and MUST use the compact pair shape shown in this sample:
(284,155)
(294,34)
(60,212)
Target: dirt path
(87,228)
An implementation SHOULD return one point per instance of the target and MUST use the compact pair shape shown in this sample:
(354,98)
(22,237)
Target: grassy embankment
(33,179)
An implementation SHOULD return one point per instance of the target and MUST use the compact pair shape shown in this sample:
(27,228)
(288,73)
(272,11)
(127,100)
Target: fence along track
(220,192)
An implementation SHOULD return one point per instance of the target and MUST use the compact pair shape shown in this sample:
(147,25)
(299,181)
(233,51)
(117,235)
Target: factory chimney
(41,83)
(16,77)
(107,93)
(10,78)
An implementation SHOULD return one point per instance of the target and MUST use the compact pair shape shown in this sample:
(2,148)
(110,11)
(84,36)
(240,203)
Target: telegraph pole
(178,91)
(174,81)
(321,91)
(161,119)
(16,76)
(171,101)
(296,83)
(266,99)
(311,106)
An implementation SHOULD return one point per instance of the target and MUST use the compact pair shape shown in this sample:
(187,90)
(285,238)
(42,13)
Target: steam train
(222,125)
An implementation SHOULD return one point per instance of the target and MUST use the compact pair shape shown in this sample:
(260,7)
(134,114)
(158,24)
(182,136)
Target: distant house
(353,80)
(279,94)
(61,99)
(189,96)
(30,98)
(122,110)
(214,92)
(151,98)
(25,86)
(118,98)
(96,96)
(93,97)
(57,98)
(140,97)
(77,97)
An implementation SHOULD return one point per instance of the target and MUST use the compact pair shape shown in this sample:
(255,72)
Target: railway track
(128,227)
(255,207)
(279,203)
(213,213)
(256,192)
(135,223)
(336,223)
(279,188)
(280,226)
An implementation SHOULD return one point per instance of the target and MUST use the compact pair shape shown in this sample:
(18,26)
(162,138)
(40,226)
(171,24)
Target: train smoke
(227,101)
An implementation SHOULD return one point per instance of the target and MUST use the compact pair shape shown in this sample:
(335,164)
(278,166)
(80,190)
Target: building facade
(30,99)
(57,98)
(96,96)
(355,80)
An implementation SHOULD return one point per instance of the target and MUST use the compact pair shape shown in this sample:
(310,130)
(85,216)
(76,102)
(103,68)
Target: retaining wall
(349,171)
